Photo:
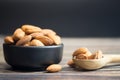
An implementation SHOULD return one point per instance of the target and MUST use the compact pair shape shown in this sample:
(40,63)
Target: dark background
(69,18)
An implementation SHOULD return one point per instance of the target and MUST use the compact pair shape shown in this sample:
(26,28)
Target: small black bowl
(32,57)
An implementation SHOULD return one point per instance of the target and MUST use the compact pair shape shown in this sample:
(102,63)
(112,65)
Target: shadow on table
(6,68)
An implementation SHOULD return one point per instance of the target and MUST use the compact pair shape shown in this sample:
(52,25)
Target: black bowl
(32,57)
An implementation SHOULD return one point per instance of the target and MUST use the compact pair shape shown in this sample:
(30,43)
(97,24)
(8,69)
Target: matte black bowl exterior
(32,56)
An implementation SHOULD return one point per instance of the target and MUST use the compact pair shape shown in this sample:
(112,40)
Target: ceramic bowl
(32,56)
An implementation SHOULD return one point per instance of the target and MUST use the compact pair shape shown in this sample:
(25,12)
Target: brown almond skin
(45,40)
(24,40)
(28,29)
(71,63)
(18,34)
(8,40)
(88,53)
(82,56)
(48,31)
(81,50)
(55,38)
(98,54)
(27,26)
(37,34)
(27,44)
(54,68)
(36,42)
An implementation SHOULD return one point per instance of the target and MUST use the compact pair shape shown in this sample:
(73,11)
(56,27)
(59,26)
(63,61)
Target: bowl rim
(51,46)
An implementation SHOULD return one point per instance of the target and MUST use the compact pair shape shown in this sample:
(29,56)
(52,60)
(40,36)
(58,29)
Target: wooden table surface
(109,72)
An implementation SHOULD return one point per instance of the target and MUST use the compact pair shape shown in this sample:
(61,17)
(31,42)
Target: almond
(26,44)
(8,40)
(98,54)
(71,63)
(36,42)
(55,38)
(24,40)
(47,31)
(45,40)
(18,34)
(82,56)
(54,68)
(28,29)
(81,50)
(36,34)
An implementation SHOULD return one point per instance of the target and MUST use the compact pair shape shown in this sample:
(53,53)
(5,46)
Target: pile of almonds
(84,53)
(30,35)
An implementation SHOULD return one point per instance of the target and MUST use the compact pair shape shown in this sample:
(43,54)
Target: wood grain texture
(109,72)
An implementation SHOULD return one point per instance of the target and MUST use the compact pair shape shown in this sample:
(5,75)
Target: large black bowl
(32,56)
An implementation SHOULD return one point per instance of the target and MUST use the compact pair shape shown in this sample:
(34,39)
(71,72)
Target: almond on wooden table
(54,68)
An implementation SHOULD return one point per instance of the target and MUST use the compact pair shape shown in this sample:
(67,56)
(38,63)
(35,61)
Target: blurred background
(69,18)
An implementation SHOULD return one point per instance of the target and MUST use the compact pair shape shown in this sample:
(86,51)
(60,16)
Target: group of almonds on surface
(84,53)
(30,35)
